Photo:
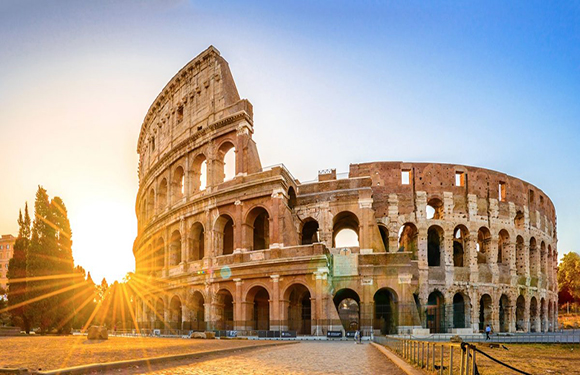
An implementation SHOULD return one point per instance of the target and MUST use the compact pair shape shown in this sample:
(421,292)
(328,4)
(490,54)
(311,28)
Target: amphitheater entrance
(460,311)
(224,310)
(196,312)
(299,309)
(520,311)
(484,311)
(258,309)
(347,304)
(435,312)
(533,315)
(159,313)
(386,311)
(175,316)
(542,314)
(504,313)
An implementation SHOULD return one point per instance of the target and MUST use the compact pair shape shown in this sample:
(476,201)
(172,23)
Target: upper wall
(435,178)
(202,93)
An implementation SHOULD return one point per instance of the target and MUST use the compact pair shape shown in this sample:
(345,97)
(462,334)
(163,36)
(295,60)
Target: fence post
(467,360)
(427,360)
(474,365)
(433,361)
(462,365)
(451,360)
(441,363)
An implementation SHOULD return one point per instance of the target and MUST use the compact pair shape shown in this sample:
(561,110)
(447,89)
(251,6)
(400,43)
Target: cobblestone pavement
(303,358)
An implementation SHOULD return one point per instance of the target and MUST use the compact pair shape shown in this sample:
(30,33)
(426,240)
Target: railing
(440,357)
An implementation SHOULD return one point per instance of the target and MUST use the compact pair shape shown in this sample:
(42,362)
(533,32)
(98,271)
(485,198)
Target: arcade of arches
(226,244)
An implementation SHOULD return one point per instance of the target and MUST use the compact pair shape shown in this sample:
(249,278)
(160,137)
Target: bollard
(474,362)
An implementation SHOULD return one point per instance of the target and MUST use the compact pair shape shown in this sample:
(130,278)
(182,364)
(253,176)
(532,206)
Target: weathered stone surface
(198,335)
(437,245)
(97,333)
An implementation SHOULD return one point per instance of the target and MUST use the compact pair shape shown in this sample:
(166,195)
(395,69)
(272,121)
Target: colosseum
(226,244)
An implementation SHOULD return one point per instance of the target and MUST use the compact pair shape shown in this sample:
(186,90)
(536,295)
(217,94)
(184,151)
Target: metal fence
(441,357)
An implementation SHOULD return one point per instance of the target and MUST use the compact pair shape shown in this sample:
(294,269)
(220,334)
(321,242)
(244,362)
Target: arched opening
(408,239)
(199,173)
(434,241)
(159,255)
(162,196)
(483,245)
(175,313)
(484,311)
(291,198)
(310,232)
(543,314)
(435,313)
(503,247)
(227,154)
(149,259)
(347,303)
(520,256)
(504,313)
(460,311)
(460,234)
(386,311)
(143,211)
(197,242)
(224,230)
(258,305)
(549,271)
(299,309)
(178,184)
(151,204)
(434,209)
(259,222)
(533,315)
(384,236)
(543,258)
(196,312)
(224,310)
(345,230)
(159,314)
(519,220)
(175,248)
(534,258)
(550,318)
(520,313)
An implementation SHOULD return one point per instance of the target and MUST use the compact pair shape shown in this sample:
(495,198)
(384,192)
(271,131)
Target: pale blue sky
(493,84)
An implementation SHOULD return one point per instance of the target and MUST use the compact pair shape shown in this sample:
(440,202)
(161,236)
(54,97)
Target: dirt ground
(536,359)
(54,352)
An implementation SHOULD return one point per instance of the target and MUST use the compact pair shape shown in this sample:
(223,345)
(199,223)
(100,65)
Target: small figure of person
(356,334)
(359,337)
(487,332)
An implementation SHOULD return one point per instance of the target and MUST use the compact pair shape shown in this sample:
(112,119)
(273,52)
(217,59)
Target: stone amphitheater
(226,244)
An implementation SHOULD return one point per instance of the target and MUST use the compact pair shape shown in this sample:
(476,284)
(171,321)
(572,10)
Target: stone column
(275,304)
(393,211)
(240,318)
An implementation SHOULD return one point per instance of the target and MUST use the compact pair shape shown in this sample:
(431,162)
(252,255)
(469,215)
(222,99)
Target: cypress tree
(17,273)
(39,263)
(63,265)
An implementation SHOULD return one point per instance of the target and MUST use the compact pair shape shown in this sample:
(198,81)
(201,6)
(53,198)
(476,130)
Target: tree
(49,266)
(569,278)
(17,285)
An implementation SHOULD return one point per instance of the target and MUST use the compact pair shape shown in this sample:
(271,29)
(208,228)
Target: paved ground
(303,358)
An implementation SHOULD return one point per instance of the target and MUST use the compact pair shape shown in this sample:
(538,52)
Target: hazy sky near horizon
(494,84)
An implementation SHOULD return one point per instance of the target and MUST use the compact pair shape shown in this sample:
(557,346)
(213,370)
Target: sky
(493,84)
